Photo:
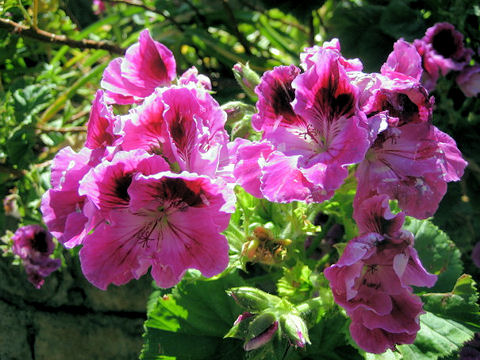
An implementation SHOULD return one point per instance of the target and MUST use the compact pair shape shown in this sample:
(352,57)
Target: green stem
(35,14)
(24,12)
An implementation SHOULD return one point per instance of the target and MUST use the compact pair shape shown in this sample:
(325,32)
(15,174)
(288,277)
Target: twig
(46,36)
(62,130)
(311,31)
(234,26)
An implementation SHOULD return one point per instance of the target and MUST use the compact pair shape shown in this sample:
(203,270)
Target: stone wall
(68,318)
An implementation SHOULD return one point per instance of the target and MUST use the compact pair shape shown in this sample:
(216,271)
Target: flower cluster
(149,188)
(152,188)
(319,120)
(442,50)
(34,245)
(372,279)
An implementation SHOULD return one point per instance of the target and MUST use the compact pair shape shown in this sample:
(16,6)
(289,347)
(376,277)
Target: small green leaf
(460,304)
(438,253)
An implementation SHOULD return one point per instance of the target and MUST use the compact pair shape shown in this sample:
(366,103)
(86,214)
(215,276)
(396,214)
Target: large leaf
(460,304)
(190,322)
(436,339)
(438,253)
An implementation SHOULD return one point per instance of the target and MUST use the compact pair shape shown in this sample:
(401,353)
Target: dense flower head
(409,159)
(150,188)
(314,126)
(442,50)
(373,276)
(34,245)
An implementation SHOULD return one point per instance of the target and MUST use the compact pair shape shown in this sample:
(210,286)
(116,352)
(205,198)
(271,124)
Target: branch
(42,35)
(61,130)
(235,28)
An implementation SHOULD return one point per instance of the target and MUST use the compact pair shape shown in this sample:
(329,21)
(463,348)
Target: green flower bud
(253,299)
(247,79)
(260,331)
(294,327)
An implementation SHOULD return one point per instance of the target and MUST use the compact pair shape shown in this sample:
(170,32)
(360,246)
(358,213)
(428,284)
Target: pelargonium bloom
(469,80)
(410,159)
(183,124)
(34,245)
(442,50)
(147,64)
(373,276)
(313,122)
(404,59)
(173,223)
(62,206)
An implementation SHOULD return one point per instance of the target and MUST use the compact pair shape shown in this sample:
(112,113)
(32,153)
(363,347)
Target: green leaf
(296,283)
(437,337)
(191,321)
(438,253)
(460,304)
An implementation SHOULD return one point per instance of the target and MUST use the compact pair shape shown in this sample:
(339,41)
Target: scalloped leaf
(438,253)
(190,322)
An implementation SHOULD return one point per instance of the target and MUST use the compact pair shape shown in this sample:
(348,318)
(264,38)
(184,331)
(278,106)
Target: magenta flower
(409,160)
(469,80)
(34,245)
(191,76)
(312,121)
(185,125)
(442,50)
(173,223)
(373,276)
(146,65)
(98,7)
(100,127)
(377,333)
(62,206)
(107,183)
(404,59)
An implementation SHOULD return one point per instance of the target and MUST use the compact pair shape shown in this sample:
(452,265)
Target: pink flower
(100,126)
(34,245)
(62,206)
(409,160)
(185,125)
(404,59)
(147,65)
(373,276)
(312,121)
(332,45)
(98,7)
(173,223)
(377,333)
(469,80)
(191,76)
(442,50)
(106,185)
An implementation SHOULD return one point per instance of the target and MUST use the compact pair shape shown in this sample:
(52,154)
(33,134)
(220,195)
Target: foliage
(46,89)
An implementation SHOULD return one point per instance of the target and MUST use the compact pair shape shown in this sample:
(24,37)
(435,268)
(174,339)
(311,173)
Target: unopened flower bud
(247,79)
(253,299)
(295,329)
(237,110)
(240,326)
(261,331)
